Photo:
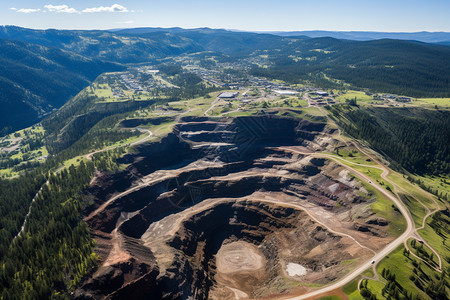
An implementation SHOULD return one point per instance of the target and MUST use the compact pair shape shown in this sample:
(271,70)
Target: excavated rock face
(233,208)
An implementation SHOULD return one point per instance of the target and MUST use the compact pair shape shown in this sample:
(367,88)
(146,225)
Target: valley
(194,175)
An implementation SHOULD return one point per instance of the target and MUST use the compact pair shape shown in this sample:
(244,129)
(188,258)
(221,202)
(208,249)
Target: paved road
(429,212)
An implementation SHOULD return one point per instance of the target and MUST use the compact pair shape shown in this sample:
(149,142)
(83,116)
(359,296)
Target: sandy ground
(238,256)
(294,269)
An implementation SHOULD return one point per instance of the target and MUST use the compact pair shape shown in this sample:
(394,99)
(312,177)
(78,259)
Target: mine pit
(238,256)
(240,245)
(252,218)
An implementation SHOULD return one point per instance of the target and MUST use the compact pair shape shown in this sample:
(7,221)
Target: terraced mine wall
(214,211)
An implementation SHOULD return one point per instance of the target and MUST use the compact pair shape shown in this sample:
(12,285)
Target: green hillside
(34,80)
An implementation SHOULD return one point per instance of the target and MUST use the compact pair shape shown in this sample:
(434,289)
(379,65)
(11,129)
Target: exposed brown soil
(217,210)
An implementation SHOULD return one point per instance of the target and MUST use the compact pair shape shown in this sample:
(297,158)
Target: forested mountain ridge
(36,79)
(59,63)
(402,67)
(105,45)
(142,46)
(423,36)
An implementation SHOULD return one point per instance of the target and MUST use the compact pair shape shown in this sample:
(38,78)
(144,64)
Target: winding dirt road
(410,232)
(29,211)
(410,228)
(89,157)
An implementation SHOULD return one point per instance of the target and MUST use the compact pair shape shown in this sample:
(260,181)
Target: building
(228,95)
(403,99)
(286,93)
(152,71)
(321,93)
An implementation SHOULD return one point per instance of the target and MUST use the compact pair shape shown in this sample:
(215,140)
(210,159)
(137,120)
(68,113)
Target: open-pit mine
(230,208)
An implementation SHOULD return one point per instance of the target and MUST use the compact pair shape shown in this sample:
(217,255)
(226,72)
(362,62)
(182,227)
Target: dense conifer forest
(400,67)
(55,250)
(416,139)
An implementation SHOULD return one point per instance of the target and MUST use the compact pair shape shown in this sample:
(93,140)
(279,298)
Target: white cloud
(60,9)
(125,22)
(112,8)
(27,10)
(115,8)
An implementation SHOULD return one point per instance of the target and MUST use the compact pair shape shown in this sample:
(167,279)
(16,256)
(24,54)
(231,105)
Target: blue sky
(262,15)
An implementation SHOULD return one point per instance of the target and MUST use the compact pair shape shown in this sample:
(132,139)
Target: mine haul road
(410,229)
(409,232)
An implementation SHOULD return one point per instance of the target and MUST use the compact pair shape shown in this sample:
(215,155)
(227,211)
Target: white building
(286,93)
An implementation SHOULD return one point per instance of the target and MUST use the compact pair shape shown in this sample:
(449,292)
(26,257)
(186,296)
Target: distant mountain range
(423,36)
(41,69)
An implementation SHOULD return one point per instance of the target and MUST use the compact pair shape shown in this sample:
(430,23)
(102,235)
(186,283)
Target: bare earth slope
(220,209)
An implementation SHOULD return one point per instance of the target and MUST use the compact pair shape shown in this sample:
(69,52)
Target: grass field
(22,152)
(103,90)
(434,262)
(74,161)
(330,298)
(402,267)
(438,242)
(375,287)
(417,211)
(284,101)
(162,130)
(351,290)
(441,185)
(425,197)
(355,156)
(361,97)
(442,102)
(7,173)
(130,140)
(312,114)
(384,207)
(313,111)
(197,106)
(242,113)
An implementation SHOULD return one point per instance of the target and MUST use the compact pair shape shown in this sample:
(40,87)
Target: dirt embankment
(216,210)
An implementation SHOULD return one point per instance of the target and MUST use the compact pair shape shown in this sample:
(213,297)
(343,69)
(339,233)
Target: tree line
(416,139)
